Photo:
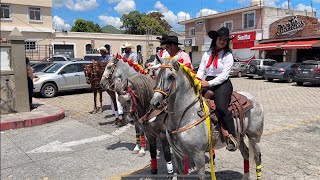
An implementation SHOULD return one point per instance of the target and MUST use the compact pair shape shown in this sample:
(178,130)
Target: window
(5,11)
(35,14)
(30,45)
(192,32)
(229,25)
(58,59)
(248,20)
(72,68)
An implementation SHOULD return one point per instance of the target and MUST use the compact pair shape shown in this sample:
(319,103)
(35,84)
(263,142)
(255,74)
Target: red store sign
(243,40)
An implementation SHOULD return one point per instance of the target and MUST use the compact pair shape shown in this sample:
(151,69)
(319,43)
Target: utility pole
(311,8)
(289,4)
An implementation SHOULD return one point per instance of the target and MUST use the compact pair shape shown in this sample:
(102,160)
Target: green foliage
(159,17)
(150,24)
(111,29)
(81,25)
(131,22)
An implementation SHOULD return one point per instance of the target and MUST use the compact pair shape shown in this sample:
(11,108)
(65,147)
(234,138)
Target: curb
(32,121)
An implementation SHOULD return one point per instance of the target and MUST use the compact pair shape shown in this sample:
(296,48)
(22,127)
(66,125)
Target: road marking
(57,146)
(291,126)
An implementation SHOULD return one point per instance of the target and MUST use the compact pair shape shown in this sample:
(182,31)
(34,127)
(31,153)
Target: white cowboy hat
(103,49)
(127,45)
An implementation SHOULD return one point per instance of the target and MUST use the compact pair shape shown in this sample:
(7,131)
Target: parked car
(90,57)
(282,71)
(38,67)
(238,69)
(309,71)
(59,57)
(61,76)
(257,67)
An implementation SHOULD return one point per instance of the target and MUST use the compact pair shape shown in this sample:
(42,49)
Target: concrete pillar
(285,55)
(18,58)
(294,55)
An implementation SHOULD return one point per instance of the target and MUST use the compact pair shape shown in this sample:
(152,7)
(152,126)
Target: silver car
(238,69)
(61,76)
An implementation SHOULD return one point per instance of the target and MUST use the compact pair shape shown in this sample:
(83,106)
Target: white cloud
(272,3)
(59,25)
(206,12)
(170,17)
(285,4)
(242,1)
(109,20)
(58,3)
(81,5)
(125,6)
(113,1)
(302,7)
(182,16)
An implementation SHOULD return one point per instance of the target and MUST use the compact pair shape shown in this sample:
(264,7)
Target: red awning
(301,44)
(268,46)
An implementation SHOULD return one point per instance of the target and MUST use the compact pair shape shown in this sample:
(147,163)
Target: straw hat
(127,45)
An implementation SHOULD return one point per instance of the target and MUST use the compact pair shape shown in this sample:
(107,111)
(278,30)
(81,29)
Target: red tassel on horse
(186,165)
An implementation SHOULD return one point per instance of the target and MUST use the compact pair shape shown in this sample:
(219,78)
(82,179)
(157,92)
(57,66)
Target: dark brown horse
(93,73)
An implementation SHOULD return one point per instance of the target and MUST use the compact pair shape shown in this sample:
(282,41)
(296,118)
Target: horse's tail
(251,153)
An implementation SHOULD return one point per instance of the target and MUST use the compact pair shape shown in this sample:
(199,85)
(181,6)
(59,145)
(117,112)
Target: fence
(39,52)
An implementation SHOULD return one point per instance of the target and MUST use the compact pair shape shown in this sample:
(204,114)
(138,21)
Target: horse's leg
(137,148)
(245,154)
(153,153)
(257,157)
(199,160)
(94,101)
(143,144)
(166,152)
(179,164)
(100,97)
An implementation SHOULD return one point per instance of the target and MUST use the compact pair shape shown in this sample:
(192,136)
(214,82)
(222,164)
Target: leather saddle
(238,106)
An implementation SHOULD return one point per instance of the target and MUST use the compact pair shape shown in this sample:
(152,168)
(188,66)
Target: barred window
(30,45)
(5,11)
(248,20)
(35,14)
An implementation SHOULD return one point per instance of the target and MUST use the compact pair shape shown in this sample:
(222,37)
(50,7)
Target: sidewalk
(42,114)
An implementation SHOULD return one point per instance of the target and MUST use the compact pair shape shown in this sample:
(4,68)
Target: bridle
(161,90)
(110,74)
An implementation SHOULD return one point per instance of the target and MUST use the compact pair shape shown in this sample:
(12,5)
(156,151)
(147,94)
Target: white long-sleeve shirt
(155,64)
(221,73)
(131,55)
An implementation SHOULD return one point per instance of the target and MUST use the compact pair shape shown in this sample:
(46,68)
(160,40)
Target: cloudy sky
(106,12)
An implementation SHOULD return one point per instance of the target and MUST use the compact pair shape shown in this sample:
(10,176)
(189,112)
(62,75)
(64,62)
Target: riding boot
(232,143)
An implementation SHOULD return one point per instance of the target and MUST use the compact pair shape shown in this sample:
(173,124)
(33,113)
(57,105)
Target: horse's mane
(133,64)
(195,82)
(143,87)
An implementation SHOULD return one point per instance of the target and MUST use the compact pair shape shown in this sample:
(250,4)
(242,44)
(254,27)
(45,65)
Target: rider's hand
(149,67)
(204,84)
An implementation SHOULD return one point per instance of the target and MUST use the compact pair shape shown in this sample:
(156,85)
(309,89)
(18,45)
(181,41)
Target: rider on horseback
(161,54)
(104,54)
(128,54)
(216,65)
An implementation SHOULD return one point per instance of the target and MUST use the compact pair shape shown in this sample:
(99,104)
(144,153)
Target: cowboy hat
(161,38)
(223,32)
(170,40)
(127,45)
(103,49)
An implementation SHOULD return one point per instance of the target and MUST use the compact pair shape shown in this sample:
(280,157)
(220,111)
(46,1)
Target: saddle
(239,104)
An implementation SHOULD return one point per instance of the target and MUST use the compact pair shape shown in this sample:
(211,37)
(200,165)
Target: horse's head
(166,82)
(88,72)
(106,81)
(128,100)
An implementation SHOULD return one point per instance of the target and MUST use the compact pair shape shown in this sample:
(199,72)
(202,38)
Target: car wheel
(269,79)
(48,90)
(252,69)
(299,83)
(250,77)
(239,74)
(290,78)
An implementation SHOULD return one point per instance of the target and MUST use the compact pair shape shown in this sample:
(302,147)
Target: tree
(131,22)
(150,24)
(81,25)
(159,17)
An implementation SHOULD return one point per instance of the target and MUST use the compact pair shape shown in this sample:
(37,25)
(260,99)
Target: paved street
(87,146)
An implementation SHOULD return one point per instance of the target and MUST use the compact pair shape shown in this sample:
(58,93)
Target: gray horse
(175,87)
(136,92)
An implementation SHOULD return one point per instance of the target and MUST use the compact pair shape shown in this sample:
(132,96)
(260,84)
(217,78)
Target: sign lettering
(291,27)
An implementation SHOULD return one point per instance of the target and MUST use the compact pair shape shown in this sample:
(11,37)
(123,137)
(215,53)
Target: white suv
(257,67)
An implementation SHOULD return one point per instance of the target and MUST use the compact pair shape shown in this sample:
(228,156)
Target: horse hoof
(154,171)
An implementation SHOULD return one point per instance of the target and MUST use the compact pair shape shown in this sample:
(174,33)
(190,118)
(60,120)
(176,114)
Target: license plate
(273,71)
(304,72)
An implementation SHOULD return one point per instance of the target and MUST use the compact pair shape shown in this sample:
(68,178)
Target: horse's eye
(171,77)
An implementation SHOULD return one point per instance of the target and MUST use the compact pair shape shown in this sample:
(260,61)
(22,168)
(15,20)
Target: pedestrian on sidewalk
(30,77)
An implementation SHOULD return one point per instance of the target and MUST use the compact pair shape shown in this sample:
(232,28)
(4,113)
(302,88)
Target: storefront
(241,45)
(292,39)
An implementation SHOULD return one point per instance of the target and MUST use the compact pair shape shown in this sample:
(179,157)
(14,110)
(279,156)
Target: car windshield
(281,65)
(254,62)
(308,66)
(237,64)
(89,58)
(54,68)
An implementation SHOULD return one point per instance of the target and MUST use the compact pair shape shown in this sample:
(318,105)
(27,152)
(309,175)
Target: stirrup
(232,144)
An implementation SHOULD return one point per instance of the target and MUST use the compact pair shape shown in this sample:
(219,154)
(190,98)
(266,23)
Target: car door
(82,82)
(70,77)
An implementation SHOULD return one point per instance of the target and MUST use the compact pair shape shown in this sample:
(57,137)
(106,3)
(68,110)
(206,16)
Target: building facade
(248,25)
(34,20)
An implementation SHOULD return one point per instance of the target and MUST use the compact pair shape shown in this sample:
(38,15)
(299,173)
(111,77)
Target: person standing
(128,54)
(216,65)
(30,77)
